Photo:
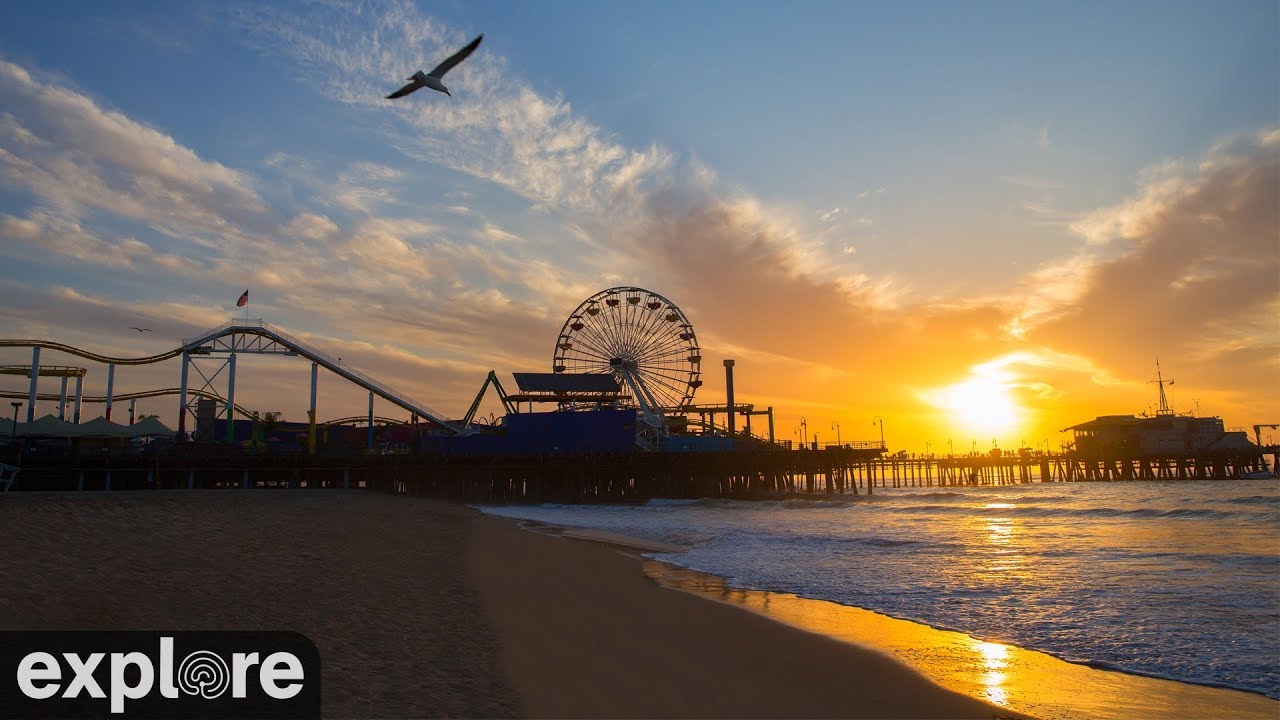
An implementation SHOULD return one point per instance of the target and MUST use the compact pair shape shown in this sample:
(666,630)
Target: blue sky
(950,182)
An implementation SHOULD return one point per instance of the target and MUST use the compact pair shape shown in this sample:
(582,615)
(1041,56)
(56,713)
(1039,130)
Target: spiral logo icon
(203,673)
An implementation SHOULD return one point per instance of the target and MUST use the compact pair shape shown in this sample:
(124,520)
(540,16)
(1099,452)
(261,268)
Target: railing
(847,445)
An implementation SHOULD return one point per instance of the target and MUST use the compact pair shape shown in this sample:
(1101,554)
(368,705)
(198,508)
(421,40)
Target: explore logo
(150,674)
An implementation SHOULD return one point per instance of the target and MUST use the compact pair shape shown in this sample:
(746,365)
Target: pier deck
(743,474)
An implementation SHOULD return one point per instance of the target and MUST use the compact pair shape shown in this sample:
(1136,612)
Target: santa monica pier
(615,420)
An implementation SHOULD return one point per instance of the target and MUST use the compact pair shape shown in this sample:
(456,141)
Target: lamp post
(13,437)
(951,449)
(926,448)
(835,425)
(804,433)
(880,420)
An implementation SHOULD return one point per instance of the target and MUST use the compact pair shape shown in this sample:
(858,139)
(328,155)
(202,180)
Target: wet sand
(1024,680)
(586,634)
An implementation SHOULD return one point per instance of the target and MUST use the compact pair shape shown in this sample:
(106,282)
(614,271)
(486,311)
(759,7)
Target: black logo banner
(156,674)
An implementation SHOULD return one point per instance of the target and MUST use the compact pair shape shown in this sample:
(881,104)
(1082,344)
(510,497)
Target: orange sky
(1181,270)
(989,255)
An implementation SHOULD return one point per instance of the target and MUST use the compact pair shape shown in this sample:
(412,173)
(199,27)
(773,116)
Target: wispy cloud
(831,215)
(495,127)
(65,148)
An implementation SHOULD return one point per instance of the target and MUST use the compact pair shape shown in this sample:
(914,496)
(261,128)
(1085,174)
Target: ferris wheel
(643,339)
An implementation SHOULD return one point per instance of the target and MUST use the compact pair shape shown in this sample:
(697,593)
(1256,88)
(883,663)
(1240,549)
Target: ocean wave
(932,495)
(818,504)
(1254,500)
(1016,510)
(888,542)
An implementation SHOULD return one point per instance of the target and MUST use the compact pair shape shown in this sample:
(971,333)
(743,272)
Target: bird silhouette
(140,329)
(432,79)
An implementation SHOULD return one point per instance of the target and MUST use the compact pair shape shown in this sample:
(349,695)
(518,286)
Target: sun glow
(982,405)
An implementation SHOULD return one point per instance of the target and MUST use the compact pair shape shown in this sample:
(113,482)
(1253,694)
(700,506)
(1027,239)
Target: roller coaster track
(54,397)
(200,345)
(106,359)
(363,419)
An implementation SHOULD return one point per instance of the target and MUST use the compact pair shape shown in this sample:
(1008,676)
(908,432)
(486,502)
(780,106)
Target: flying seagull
(432,79)
(140,329)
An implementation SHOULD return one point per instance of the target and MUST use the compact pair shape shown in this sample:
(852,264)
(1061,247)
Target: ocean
(1176,580)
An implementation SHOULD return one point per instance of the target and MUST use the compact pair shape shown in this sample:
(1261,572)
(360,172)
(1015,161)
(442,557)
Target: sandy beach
(424,609)
(379,583)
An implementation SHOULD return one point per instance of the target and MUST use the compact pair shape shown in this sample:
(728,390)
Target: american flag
(244,299)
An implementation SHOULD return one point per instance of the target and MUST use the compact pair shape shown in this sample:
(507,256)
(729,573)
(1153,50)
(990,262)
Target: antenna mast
(1164,401)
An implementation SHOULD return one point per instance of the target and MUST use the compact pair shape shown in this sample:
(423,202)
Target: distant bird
(140,329)
(432,79)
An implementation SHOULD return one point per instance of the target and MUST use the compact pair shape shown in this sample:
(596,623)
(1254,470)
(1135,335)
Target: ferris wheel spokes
(640,337)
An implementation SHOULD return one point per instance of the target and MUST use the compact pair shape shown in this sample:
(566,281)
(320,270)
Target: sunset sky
(978,221)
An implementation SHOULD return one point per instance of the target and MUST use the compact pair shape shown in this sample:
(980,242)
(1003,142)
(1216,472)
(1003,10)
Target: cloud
(64,148)
(44,232)
(830,215)
(309,226)
(1198,267)
(364,187)
(495,127)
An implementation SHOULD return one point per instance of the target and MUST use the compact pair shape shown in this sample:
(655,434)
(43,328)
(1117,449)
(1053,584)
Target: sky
(961,224)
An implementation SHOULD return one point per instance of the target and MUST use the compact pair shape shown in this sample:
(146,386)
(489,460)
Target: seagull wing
(405,90)
(456,58)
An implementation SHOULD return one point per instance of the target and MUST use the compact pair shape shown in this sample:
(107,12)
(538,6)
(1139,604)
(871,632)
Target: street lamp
(835,425)
(926,448)
(804,433)
(14,436)
(880,420)
(951,449)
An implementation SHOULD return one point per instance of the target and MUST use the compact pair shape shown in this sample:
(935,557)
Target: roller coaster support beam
(182,398)
(770,424)
(35,375)
(111,382)
(370,421)
(491,379)
(62,400)
(231,398)
(79,395)
(311,413)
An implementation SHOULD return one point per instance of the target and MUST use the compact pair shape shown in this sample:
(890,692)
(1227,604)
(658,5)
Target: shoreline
(1020,680)
(585,633)
(1017,678)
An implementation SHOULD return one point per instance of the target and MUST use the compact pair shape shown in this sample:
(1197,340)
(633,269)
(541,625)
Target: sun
(982,405)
